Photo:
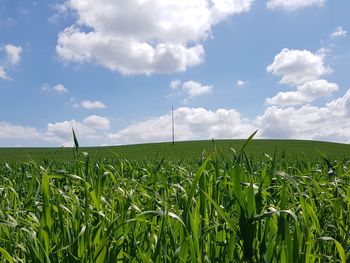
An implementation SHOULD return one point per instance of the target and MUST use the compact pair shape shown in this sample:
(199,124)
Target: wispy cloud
(191,88)
(59,88)
(3,74)
(339,32)
(293,5)
(89,104)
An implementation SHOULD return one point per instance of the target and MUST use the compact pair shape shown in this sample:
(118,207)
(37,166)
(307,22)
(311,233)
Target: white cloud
(61,132)
(87,104)
(143,37)
(292,5)
(190,124)
(305,93)
(97,122)
(303,69)
(13,54)
(191,88)
(341,106)
(59,88)
(18,132)
(61,11)
(91,105)
(241,83)
(12,58)
(289,122)
(195,89)
(339,32)
(298,66)
(174,84)
(317,89)
(330,122)
(3,73)
(88,130)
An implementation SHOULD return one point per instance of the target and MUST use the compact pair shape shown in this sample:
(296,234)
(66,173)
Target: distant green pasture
(187,150)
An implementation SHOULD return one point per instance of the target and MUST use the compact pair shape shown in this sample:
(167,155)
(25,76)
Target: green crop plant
(224,207)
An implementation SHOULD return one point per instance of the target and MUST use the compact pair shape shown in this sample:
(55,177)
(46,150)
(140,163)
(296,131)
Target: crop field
(190,150)
(217,206)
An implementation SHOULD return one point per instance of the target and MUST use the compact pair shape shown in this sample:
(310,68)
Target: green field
(227,206)
(186,150)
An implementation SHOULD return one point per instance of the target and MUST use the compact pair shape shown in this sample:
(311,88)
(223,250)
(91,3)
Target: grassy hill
(186,150)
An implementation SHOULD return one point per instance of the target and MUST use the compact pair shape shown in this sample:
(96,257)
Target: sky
(112,70)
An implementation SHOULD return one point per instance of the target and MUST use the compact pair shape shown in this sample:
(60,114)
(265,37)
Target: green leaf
(339,247)
(246,144)
(6,255)
(76,144)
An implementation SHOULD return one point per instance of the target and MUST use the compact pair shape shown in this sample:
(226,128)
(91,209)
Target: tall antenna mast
(172,124)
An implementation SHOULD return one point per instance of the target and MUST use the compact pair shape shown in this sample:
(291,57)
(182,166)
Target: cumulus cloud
(303,69)
(340,107)
(339,32)
(298,66)
(90,129)
(97,122)
(330,122)
(11,59)
(289,122)
(293,5)
(142,37)
(13,131)
(305,93)
(92,105)
(190,124)
(59,88)
(61,132)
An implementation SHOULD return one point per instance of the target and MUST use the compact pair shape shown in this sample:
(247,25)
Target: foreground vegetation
(222,208)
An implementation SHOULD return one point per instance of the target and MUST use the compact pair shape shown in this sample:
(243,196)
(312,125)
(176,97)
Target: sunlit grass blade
(6,255)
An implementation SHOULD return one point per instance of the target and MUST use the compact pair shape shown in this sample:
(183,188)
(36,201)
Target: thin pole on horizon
(172,125)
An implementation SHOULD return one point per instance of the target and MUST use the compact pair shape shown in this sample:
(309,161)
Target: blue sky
(113,70)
